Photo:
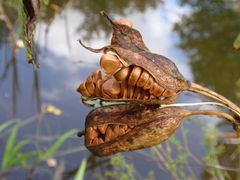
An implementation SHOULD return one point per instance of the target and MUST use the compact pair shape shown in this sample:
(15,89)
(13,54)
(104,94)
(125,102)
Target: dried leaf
(31,8)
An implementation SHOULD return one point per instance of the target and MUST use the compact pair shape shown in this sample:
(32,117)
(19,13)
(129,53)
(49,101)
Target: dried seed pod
(132,126)
(144,127)
(127,43)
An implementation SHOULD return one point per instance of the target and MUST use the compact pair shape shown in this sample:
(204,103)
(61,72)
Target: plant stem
(215,113)
(207,92)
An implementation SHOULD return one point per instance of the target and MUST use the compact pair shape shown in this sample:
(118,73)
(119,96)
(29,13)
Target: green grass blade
(56,145)
(21,158)
(10,142)
(5,125)
(236,43)
(81,170)
(12,154)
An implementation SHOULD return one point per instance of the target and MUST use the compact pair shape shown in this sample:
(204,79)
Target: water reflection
(60,75)
(207,35)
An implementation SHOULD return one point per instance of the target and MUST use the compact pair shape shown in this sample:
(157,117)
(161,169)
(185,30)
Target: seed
(121,131)
(95,76)
(116,129)
(134,76)
(157,90)
(83,90)
(91,133)
(111,87)
(143,79)
(125,127)
(122,75)
(100,141)
(99,88)
(95,141)
(137,93)
(110,63)
(90,85)
(109,133)
(130,91)
(168,93)
(102,128)
(149,83)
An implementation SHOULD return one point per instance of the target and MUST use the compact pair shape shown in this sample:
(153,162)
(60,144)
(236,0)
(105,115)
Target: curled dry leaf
(31,8)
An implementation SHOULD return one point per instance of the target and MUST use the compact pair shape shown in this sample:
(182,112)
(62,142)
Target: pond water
(196,35)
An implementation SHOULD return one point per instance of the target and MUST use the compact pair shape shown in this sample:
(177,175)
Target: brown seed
(137,93)
(157,90)
(116,129)
(95,141)
(102,128)
(121,131)
(111,87)
(149,83)
(125,127)
(99,88)
(110,63)
(83,90)
(130,91)
(134,76)
(91,133)
(168,93)
(143,79)
(131,126)
(90,85)
(109,133)
(95,76)
(123,93)
(122,75)
(100,141)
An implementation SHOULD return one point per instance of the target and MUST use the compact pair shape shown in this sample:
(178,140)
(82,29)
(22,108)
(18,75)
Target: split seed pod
(114,129)
(137,63)
(128,127)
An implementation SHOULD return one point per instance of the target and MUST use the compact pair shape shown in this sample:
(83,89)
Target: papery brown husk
(153,125)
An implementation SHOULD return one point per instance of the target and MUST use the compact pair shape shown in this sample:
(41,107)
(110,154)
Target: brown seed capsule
(148,126)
